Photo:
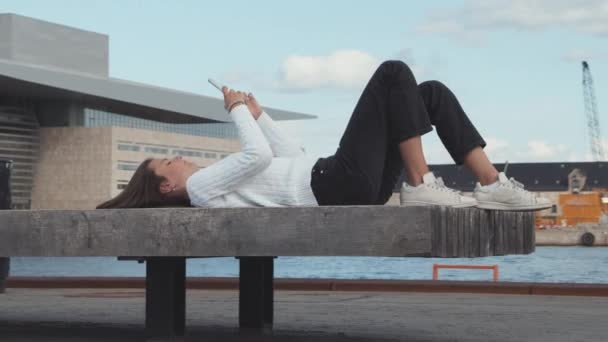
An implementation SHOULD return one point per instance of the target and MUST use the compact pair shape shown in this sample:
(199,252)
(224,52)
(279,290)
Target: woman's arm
(227,174)
(280,143)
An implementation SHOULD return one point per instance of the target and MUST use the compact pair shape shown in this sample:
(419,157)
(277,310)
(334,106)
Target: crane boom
(591,112)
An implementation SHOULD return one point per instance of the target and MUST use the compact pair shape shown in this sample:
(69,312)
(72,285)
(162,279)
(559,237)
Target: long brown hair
(143,191)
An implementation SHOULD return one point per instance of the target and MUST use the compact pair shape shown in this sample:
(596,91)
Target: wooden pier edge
(471,232)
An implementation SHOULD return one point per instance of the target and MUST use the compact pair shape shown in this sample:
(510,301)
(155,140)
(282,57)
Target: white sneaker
(432,191)
(508,194)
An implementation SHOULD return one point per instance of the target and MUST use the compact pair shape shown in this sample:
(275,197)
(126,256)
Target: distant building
(547,179)
(75,135)
(538,177)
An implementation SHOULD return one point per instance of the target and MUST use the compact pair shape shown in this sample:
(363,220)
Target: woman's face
(176,171)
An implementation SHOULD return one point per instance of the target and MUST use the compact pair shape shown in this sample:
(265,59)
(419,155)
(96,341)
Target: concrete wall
(73,171)
(43,43)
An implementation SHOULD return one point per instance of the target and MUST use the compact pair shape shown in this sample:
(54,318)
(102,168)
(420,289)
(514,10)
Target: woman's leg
(389,111)
(477,161)
(456,131)
(383,136)
(407,154)
(413,159)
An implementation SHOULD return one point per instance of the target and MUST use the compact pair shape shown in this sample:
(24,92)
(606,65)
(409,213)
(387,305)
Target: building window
(224,156)
(13,145)
(121,186)
(127,167)
(187,153)
(21,187)
(210,155)
(156,150)
(16,152)
(125,147)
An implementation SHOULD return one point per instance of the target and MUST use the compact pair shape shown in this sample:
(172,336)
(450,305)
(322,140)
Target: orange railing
(494,268)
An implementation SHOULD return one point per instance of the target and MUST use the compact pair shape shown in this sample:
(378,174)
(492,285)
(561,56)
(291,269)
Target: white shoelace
(519,187)
(439,185)
(513,184)
(516,184)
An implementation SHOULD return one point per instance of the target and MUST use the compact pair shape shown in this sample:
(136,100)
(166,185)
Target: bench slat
(301,231)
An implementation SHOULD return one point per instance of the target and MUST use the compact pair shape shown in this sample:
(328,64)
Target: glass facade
(156,150)
(127,167)
(187,153)
(95,117)
(166,150)
(19,142)
(126,147)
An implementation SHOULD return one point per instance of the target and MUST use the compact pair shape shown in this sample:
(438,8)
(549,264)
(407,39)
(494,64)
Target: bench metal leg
(4,269)
(256,293)
(165,297)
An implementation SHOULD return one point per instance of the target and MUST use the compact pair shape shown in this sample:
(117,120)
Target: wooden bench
(166,237)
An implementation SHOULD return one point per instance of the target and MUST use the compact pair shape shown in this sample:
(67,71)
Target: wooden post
(165,297)
(256,293)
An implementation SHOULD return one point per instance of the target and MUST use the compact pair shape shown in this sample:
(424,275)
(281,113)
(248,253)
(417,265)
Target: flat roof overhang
(116,95)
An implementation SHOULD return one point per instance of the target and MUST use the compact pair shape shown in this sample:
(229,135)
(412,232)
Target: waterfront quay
(116,315)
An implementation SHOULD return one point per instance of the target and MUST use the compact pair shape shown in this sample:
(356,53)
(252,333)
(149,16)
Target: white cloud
(587,156)
(493,145)
(472,21)
(340,69)
(499,150)
(540,149)
(604,145)
(420,72)
(578,55)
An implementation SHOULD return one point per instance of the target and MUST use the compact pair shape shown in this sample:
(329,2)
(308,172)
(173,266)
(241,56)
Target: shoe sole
(420,204)
(511,207)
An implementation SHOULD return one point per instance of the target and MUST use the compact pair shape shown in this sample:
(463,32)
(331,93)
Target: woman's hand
(254,106)
(232,98)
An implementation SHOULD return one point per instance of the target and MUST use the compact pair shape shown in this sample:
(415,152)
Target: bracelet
(234,104)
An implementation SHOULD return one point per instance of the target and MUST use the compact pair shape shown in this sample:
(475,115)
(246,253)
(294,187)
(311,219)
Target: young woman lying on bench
(383,136)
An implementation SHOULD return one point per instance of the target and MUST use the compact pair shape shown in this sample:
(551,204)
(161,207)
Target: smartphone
(215,84)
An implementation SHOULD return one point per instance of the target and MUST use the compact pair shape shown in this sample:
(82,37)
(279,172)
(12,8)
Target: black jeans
(391,109)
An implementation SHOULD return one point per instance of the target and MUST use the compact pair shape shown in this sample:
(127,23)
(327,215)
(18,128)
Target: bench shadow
(15,331)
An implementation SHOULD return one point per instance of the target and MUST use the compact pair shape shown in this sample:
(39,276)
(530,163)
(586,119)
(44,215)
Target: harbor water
(548,264)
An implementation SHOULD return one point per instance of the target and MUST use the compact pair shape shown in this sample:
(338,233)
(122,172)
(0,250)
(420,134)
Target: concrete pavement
(118,315)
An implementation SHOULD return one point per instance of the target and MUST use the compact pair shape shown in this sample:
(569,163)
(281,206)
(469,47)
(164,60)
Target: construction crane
(597,150)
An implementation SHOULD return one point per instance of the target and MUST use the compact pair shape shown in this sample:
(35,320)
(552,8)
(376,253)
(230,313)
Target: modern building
(75,134)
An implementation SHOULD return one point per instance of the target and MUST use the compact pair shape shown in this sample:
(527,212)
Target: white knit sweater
(269,171)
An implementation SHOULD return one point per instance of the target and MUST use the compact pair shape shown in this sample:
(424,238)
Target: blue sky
(514,64)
